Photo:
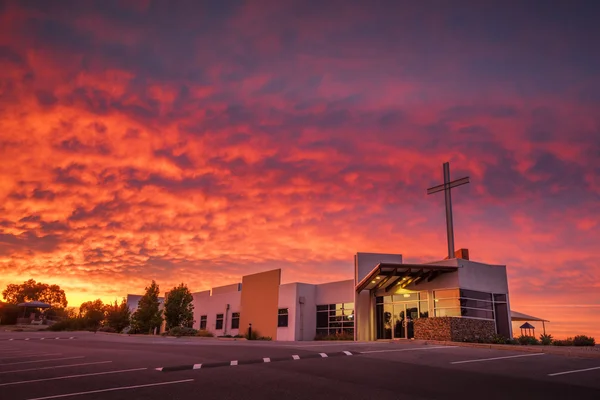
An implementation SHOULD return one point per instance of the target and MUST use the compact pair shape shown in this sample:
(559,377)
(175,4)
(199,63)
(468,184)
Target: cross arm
(450,185)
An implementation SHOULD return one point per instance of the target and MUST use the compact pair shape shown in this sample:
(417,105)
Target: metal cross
(446,187)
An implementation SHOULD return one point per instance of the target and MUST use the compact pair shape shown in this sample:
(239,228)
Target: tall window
(203,322)
(463,303)
(235,320)
(282,317)
(335,319)
(219,324)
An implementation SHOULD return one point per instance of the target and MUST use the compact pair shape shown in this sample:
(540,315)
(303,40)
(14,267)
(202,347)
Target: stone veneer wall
(454,329)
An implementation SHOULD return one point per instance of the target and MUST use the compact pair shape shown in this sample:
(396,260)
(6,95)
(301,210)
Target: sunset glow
(196,143)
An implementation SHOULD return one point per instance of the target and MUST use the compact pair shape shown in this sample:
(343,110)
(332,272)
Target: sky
(199,141)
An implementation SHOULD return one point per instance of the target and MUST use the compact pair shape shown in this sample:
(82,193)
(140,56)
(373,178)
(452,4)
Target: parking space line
(295,357)
(31,355)
(55,366)
(573,371)
(73,376)
(323,355)
(35,361)
(497,358)
(409,349)
(266,359)
(234,362)
(111,389)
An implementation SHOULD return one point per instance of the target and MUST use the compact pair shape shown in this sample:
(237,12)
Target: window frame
(219,321)
(203,321)
(283,317)
(235,317)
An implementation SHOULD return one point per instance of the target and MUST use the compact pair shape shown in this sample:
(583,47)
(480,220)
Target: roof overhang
(517,316)
(389,275)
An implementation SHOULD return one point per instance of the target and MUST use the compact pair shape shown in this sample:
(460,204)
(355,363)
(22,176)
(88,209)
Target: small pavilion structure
(527,329)
(520,317)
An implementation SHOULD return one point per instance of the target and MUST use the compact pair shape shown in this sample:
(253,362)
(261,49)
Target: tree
(148,315)
(35,291)
(179,310)
(93,313)
(117,315)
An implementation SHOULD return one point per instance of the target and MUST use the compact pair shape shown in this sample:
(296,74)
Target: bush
(225,336)
(204,333)
(528,340)
(254,335)
(512,341)
(546,339)
(238,336)
(336,336)
(582,340)
(499,339)
(70,324)
(265,338)
(107,329)
(182,331)
(565,342)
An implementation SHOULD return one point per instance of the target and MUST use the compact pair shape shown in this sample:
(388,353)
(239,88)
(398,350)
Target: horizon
(199,142)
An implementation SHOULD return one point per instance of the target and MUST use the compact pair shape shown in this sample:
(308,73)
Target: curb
(37,338)
(263,360)
(524,349)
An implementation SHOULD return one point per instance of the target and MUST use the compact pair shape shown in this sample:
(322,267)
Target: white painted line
(53,367)
(50,359)
(197,366)
(323,355)
(110,389)
(11,339)
(295,357)
(72,337)
(266,359)
(573,371)
(56,338)
(409,349)
(497,358)
(72,376)
(42,338)
(234,362)
(347,353)
(26,338)
(32,355)
(158,369)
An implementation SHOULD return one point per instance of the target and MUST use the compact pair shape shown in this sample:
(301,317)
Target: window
(463,303)
(335,319)
(203,322)
(235,320)
(282,318)
(219,324)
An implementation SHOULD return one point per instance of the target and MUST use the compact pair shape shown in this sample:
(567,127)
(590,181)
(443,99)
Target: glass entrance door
(404,315)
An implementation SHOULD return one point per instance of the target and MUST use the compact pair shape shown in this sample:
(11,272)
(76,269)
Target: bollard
(250,332)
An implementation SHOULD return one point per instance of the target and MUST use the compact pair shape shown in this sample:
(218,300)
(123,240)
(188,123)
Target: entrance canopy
(391,275)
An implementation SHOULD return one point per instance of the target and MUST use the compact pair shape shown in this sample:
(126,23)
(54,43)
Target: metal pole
(449,224)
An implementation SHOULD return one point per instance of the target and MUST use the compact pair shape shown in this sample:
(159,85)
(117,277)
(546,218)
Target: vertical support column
(449,223)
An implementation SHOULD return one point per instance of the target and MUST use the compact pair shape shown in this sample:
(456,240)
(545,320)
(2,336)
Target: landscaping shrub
(265,338)
(546,339)
(226,336)
(238,336)
(182,331)
(204,333)
(70,324)
(528,340)
(565,342)
(499,339)
(107,329)
(582,340)
(512,341)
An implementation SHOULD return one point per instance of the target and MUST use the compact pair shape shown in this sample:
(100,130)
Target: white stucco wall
(205,304)
(335,292)
(365,262)
(483,277)
(288,298)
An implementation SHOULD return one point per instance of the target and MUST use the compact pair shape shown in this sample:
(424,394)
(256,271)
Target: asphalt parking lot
(44,365)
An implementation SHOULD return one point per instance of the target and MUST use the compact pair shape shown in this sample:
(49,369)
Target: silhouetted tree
(118,315)
(35,291)
(148,315)
(179,310)
(93,312)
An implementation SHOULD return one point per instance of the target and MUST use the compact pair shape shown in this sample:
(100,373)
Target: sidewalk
(570,351)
